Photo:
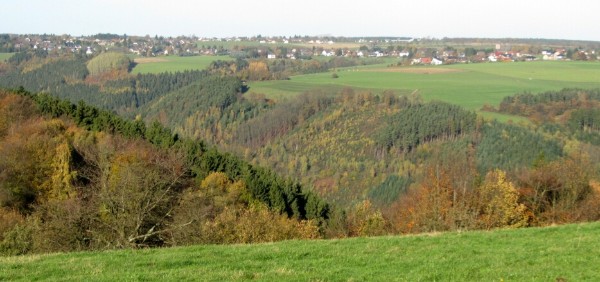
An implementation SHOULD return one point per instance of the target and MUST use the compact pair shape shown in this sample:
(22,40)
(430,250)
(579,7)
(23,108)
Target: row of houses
(426,61)
(275,47)
(145,45)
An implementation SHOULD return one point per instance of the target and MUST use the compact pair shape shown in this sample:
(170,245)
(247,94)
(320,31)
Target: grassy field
(469,85)
(4,56)
(571,252)
(174,63)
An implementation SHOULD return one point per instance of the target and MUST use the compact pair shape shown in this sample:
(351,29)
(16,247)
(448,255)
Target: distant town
(410,51)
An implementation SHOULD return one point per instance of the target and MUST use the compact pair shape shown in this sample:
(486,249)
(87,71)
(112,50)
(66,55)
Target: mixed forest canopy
(124,184)
(357,161)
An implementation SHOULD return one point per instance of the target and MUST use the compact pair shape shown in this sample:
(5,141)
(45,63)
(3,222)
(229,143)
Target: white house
(271,56)
(404,53)
(327,54)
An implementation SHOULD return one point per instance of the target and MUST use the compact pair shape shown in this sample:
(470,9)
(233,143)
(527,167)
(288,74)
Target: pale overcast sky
(574,19)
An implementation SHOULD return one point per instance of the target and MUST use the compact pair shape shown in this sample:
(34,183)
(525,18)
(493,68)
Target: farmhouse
(327,53)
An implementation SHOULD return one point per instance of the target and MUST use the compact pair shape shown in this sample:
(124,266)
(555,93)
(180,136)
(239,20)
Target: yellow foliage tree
(258,70)
(366,221)
(256,224)
(62,176)
(498,203)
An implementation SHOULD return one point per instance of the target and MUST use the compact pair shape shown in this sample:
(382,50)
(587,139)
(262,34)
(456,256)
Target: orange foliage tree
(428,207)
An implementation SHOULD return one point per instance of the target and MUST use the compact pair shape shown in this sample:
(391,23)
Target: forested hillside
(99,83)
(392,163)
(73,177)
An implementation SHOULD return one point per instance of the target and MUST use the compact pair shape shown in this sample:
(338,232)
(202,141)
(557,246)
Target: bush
(17,241)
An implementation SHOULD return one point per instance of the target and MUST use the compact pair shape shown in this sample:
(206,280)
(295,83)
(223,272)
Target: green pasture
(5,56)
(560,253)
(469,85)
(174,63)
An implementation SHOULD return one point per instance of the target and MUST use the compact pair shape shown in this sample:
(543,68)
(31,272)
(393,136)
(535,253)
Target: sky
(550,19)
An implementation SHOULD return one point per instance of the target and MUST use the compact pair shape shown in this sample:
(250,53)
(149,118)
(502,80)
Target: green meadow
(4,56)
(174,63)
(468,85)
(569,252)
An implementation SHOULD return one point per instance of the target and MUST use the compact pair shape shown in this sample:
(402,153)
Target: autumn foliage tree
(137,188)
(258,70)
(436,205)
(365,220)
(498,203)
(427,207)
(555,191)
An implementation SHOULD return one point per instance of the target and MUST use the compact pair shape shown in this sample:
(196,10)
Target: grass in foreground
(571,252)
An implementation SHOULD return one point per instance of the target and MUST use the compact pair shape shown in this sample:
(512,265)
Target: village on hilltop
(412,51)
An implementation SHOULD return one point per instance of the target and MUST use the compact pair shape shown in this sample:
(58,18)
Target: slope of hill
(73,177)
(559,253)
(425,165)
